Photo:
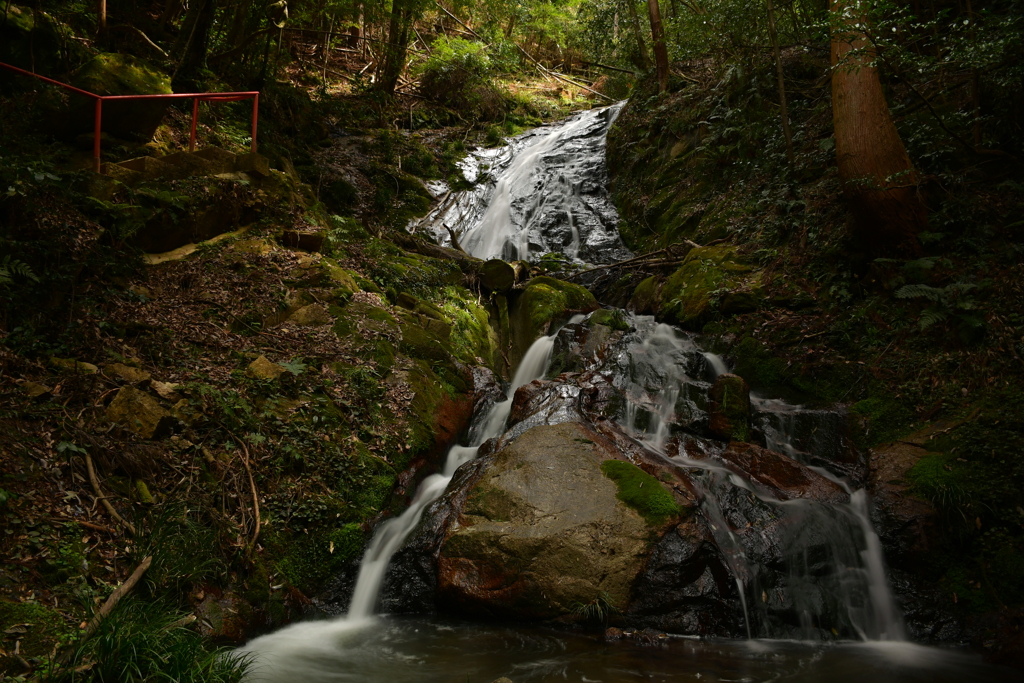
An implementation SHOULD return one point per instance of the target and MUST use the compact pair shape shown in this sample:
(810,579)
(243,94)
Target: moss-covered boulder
(711,280)
(497,275)
(544,532)
(117,74)
(542,302)
(730,408)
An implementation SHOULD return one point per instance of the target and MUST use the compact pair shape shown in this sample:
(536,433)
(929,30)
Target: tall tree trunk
(645,61)
(193,59)
(658,38)
(101,17)
(782,83)
(395,50)
(878,179)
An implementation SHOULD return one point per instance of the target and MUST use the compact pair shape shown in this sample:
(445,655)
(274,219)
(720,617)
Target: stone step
(209,161)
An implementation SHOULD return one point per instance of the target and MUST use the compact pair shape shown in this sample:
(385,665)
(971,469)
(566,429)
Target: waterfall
(849,582)
(391,534)
(544,192)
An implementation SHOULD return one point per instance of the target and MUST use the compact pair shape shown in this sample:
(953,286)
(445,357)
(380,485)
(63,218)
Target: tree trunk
(645,61)
(878,179)
(193,59)
(658,38)
(782,83)
(393,63)
(101,17)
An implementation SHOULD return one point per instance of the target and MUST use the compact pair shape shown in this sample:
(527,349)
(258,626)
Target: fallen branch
(94,480)
(116,596)
(138,34)
(255,493)
(638,260)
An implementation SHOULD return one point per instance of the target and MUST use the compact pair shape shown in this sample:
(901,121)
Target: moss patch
(544,300)
(641,491)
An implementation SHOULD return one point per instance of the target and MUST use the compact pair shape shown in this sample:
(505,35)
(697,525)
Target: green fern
(11,268)
(920,292)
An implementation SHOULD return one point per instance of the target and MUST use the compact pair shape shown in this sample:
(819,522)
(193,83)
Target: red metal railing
(196,99)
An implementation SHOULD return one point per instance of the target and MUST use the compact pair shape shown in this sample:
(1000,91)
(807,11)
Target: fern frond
(919,292)
(932,316)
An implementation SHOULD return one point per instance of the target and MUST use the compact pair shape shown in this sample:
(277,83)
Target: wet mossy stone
(641,491)
(139,412)
(710,279)
(645,297)
(118,74)
(612,318)
(543,301)
(497,275)
(730,408)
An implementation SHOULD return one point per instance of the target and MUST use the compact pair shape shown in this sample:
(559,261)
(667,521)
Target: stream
(794,587)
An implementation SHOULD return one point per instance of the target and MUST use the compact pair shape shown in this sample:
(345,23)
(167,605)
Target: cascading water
(544,192)
(846,577)
(392,533)
(547,193)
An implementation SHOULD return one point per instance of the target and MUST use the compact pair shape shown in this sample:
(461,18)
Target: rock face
(542,532)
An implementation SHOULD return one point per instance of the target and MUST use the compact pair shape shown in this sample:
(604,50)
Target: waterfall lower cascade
(392,533)
(831,552)
(545,192)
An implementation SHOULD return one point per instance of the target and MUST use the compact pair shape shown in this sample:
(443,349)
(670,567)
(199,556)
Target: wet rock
(612,634)
(74,366)
(541,403)
(542,531)
(261,368)
(139,412)
(730,408)
(314,315)
(224,618)
(545,301)
(784,477)
(907,525)
(126,373)
(497,275)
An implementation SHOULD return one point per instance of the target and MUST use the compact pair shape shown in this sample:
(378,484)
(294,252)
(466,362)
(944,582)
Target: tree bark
(782,83)
(879,181)
(393,64)
(195,49)
(645,61)
(658,38)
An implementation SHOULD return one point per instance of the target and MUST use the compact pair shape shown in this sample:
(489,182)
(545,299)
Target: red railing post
(97,133)
(195,118)
(255,115)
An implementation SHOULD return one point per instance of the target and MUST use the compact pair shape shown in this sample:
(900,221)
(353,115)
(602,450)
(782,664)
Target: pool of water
(422,650)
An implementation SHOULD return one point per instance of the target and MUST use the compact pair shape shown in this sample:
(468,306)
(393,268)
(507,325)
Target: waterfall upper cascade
(545,191)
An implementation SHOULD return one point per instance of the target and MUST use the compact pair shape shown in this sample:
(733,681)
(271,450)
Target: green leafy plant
(949,302)
(11,268)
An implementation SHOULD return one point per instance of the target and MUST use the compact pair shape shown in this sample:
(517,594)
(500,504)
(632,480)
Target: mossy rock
(118,74)
(654,503)
(612,318)
(710,280)
(37,627)
(497,275)
(441,407)
(542,302)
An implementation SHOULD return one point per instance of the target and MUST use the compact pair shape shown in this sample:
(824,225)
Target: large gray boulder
(543,533)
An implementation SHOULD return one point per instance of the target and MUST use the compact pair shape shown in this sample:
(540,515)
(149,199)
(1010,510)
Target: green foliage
(143,641)
(459,73)
(11,268)
(641,491)
(949,302)
(598,611)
